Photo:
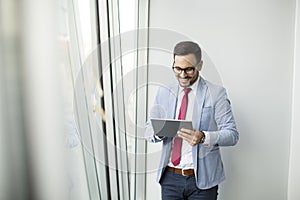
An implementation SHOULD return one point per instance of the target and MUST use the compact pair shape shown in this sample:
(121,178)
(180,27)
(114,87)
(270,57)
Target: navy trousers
(175,186)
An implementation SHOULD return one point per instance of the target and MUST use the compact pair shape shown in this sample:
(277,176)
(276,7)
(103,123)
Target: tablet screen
(169,127)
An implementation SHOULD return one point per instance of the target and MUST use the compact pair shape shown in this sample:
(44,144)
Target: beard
(187,81)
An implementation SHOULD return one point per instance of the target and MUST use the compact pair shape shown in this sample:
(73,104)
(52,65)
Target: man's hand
(193,137)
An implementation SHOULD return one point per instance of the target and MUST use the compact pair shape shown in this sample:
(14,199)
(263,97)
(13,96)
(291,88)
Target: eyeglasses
(188,70)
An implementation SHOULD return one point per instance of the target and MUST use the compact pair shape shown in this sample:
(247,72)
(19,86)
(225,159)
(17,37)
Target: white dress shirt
(186,161)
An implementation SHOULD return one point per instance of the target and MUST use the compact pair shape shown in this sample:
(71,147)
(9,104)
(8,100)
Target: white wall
(294,173)
(251,45)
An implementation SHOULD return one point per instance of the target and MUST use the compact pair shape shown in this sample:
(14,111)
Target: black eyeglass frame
(185,69)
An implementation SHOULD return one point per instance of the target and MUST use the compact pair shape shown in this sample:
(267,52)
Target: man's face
(187,62)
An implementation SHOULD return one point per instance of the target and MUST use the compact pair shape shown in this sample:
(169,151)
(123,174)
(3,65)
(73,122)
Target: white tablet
(169,127)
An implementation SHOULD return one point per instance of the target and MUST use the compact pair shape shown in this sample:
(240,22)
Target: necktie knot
(187,90)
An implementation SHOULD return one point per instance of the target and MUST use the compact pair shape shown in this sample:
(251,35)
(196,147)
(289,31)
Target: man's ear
(199,67)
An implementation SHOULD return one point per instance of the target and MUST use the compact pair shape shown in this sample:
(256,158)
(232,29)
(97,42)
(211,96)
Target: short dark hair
(188,47)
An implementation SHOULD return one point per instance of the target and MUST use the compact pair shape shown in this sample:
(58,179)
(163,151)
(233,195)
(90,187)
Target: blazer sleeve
(157,111)
(226,134)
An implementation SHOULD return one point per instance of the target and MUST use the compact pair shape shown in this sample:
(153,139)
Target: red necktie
(175,158)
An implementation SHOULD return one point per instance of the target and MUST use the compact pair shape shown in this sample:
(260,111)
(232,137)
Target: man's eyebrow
(186,67)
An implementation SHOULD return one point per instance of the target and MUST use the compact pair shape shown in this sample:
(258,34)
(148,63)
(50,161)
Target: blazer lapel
(172,101)
(199,101)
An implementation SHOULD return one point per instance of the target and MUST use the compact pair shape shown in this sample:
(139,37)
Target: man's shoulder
(168,88)
(213,89)
(210,85)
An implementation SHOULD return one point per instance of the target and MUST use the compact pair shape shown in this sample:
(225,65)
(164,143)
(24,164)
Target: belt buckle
(182,172)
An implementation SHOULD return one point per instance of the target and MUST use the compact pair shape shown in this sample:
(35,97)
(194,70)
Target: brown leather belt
(183,172)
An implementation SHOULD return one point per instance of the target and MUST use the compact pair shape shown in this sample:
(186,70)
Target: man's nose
(183,72)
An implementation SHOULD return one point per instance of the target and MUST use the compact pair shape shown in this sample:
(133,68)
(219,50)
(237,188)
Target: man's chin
(184,84)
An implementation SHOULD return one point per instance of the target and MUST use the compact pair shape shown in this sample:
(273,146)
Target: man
(191,165)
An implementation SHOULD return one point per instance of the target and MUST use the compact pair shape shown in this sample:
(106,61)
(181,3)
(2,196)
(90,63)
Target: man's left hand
(193,137)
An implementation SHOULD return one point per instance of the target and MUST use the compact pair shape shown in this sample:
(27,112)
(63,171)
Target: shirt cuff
(207,138)
(158,138)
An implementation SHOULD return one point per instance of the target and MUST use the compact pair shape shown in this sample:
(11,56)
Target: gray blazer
(212,113)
